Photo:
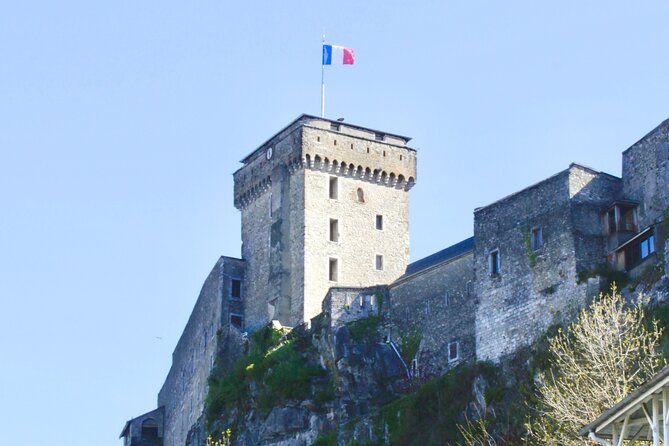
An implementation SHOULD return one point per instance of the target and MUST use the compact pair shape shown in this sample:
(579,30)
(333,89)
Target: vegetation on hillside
(276,365)
(542,395)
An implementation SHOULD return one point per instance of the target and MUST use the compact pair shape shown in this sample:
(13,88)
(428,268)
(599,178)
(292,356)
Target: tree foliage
(606,353)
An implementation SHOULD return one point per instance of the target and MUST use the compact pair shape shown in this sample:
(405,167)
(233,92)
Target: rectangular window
(334,126)
(379,222)
(379,136)
(453,351)
(639,250)
(536,239)
(236,320)
(333,273)
(379,262)
(647,246)
(334,230)
(334,188)
(236,288)
(493,262)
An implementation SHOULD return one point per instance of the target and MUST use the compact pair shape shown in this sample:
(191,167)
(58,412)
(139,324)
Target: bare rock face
(282,421)
(363,374)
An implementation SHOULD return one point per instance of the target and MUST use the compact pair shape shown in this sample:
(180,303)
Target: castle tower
(324,204)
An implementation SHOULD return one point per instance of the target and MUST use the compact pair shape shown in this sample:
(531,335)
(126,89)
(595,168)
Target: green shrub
(364,330)
(329,439)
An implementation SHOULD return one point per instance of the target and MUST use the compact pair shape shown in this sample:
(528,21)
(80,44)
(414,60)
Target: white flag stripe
(337,54)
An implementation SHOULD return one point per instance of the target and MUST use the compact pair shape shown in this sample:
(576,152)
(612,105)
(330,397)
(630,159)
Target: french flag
(337,55)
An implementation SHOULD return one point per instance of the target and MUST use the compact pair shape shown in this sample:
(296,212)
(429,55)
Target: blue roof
(449,253)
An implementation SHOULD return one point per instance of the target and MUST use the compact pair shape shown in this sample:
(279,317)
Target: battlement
(330,146)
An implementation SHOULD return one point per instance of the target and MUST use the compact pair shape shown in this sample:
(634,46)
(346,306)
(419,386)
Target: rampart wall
(207,330)
(436,306)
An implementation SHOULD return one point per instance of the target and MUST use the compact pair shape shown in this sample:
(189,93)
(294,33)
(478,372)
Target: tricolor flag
(337,55)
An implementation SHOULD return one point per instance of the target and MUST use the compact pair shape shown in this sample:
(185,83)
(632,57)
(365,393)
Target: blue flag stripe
(327,54)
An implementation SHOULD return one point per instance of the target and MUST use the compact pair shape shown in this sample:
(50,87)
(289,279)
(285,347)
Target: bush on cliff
(607,352)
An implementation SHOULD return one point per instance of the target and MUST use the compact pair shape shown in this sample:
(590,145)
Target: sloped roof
(631,405)
(444,255)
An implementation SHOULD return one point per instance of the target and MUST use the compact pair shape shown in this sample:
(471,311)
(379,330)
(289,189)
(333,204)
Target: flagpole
(322,81)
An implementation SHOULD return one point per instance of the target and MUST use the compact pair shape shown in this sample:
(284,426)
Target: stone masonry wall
(359,241)
(344,305)
(533,289)
(286,212)
(438,305)
(185,387)
(591,193)
(646,174)
(255,250)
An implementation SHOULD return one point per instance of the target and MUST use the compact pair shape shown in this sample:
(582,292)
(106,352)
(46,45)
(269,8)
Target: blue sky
(121,123)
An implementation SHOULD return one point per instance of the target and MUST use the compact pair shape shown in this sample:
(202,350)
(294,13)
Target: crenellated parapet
(331,147)
(362,173)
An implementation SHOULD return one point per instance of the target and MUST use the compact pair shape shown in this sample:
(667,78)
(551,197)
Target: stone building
(323,204)
(324,208)
(529,249)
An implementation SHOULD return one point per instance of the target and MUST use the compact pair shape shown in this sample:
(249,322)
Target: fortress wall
(646,174)
(255,250)
(185,387)
(532,290)
(439,306)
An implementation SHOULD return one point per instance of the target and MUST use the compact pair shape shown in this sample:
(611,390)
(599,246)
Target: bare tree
(606,353)
(476,433)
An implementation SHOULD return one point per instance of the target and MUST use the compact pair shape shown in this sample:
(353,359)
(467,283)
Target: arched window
(361,195)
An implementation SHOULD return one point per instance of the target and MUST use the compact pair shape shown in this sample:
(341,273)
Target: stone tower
(324,204)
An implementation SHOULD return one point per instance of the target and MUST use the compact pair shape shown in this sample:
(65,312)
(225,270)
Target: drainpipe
(592,436)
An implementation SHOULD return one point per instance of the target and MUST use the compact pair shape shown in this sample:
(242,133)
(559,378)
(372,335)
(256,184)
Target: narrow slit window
(536,239)
(453,351)
(334,230)
(333,273)
(379,262)
(379,222)
(493,262)
(236,288)
(334,188)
